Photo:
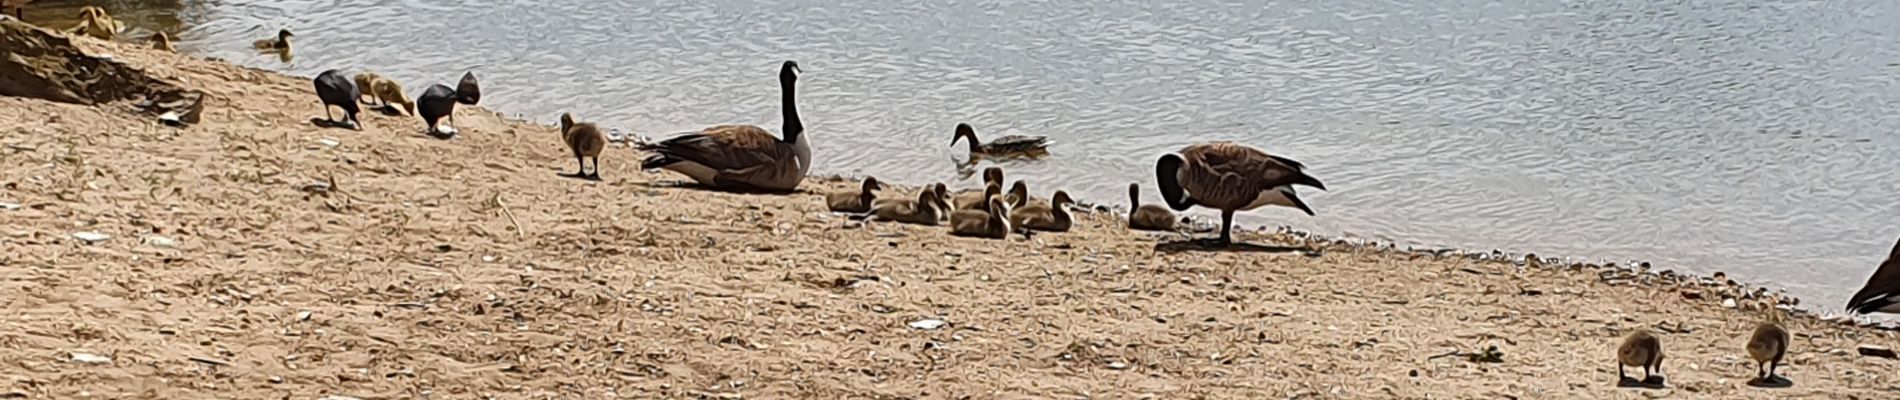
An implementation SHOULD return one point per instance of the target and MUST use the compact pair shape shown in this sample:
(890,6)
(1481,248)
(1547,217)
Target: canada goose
(1640,349)
(1007,145)
(1230,177)
(391,93)
(741,156)
(436,102)
(1052,217)
(1147,217)
(1768,344)
(856,201)
(926,209)
(1882,292)
(983,224)
(280,43)
(978,198)
(585,140)
(468,91)
(335,90)
(162,42)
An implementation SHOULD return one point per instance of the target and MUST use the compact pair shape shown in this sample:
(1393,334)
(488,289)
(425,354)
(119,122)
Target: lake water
(1756,139)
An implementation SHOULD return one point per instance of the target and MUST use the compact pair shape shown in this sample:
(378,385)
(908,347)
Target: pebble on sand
(91,237)
(927,324)
(161,242)
(88,358)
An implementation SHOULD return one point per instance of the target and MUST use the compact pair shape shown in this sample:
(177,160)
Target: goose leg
(596,168)
(1620,375)
(1226,227)
(327,115)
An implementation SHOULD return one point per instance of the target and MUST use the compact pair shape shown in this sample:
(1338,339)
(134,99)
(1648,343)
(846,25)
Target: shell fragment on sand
(91,237)
(88,358)
(9,206)
(927,324)
(160,242)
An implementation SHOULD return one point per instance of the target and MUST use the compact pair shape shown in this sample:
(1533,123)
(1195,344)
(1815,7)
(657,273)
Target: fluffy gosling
(1051,217)
(855,201)
(1640,349)
(1147,217)
(984,224)
(585,140)
(160,41)
(1768,345)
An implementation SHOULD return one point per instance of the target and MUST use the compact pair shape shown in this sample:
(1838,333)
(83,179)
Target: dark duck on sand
(334,89)
(1230,177)
(436,102)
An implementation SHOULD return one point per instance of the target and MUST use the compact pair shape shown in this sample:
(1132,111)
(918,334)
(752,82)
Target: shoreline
(246,255)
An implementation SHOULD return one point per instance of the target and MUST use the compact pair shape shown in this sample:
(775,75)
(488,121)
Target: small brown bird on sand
(1640,349)
(585,139)
(855,201)
(1768,345)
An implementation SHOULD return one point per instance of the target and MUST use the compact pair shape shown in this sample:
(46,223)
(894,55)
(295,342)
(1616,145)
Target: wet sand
(468,268)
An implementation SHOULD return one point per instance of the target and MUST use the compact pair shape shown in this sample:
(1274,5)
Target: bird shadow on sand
(1653,382)
(388,110)
(577,175)
(698,186)
(1214,245)
(324,123)
(1772,382)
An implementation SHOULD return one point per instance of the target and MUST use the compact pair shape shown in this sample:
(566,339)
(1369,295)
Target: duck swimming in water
(280,43)
(1012,145)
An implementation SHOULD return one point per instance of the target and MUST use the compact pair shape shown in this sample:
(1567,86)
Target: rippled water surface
(1756,139)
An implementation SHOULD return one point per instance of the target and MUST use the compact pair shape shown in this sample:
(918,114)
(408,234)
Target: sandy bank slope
(405,279)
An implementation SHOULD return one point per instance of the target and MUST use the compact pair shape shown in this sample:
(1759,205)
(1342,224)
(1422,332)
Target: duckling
(281,43)
(585,140)
(1643,349)
(1004,146)
(924,210)
(978,223)
(366,81)
(1768,344)
(1052,217)
(980,200)
(335,90)
(162,42)
(855,201)
(436,102)
(976,198)
(391,93)
(1018,195)
(1147,217)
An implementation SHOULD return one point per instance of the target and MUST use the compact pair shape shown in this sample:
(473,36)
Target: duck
(335,90)
(1147,217)
(280,44)
(1230,177)
(926,209)
(391,93)
(436,102)
(1052,217)
(468,90)
(983,224)
(1881,294)
(977,198)
(585,140)
(1011,145)
(741,157)
(1640,349)
(855,201)
(162,42)
(1769,343)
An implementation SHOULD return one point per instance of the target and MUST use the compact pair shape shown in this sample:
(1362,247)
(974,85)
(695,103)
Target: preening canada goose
(1003,146)
(162,42)
(585,140)
(279,43)
(1052,217)
(1640,349)
(984,224)
(1768,344)
(1147,217)
(1230,177)
(468,91)
(1881,294)
(742,156)
(436,102)
(856,201)
(926,209)
(335,90)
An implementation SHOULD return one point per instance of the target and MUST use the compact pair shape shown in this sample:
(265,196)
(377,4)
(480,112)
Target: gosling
(585,140)
(1052,217)
(1768,345)
(857,201)
(1147,217)
(977,223)
(281,43)
(976,198)
(926,209)
(162,42)
(391,93)
(979,201)
(367,81)
(1643,349)
(1018,195)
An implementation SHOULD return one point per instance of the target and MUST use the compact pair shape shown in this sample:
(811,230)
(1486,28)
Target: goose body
(1002,146)
(984,224)
(585,140)
(1147,217)
(1767,346)
(1881,294)
(855,201)
(279,43)
(1640,349)
(926,209)
(1052,217)
(436,102)
(741,156)
(160,41)
(1231,177)
(335,90)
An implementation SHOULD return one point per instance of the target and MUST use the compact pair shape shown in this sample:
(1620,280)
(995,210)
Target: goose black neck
(792,126)
(1167,177)
(1134,199)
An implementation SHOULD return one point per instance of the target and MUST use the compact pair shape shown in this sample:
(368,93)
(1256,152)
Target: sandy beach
(255,255)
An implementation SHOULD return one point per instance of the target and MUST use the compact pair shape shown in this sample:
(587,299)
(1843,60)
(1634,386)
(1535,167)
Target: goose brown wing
(723,148)
(1882,289)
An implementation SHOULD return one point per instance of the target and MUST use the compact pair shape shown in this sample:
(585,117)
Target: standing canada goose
(1003,146)
(1882,292)
(856,201)
(1768,344)
(280,43)
(162,42)
(391,93)
(585,140)
(436,102)
(926,209)
(1052,217)
(984,224)
(1640,349)
(977,198)
(1147,217)
(1230,177)
(468,91)
(335,90)
(742,156)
